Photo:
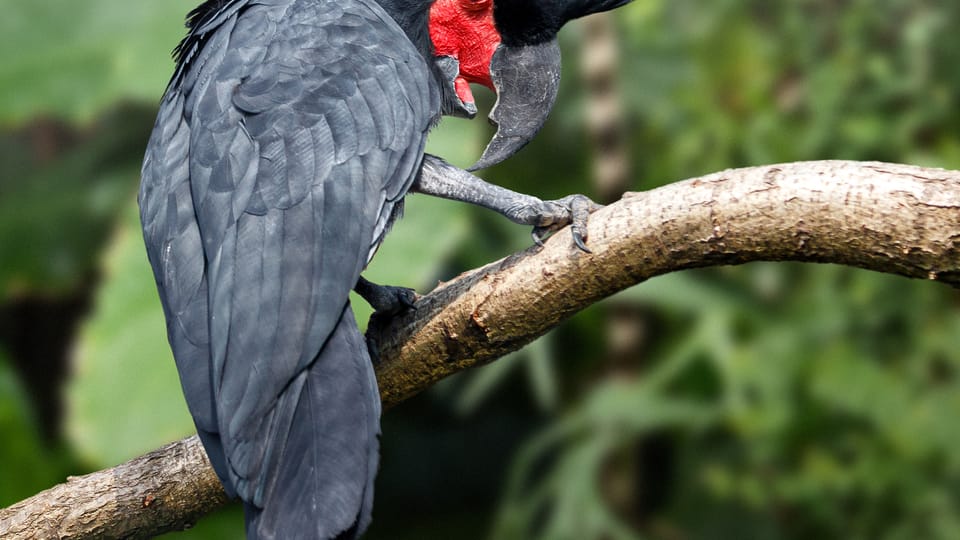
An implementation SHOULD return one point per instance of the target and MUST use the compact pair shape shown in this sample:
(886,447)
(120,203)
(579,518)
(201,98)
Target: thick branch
(165,490)
(890,218)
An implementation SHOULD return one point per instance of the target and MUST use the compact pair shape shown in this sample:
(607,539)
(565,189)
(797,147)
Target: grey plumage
(285,143)
(282,151)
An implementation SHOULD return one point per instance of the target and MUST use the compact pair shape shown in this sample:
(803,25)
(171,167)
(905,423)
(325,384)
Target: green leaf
(29,466)
(56,213)
(124,397)
(72,59)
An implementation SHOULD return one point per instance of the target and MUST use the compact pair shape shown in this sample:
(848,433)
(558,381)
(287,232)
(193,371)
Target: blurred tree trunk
(623,323)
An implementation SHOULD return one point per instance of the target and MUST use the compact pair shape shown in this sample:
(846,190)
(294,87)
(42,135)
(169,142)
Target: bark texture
(891,218)
(168,489)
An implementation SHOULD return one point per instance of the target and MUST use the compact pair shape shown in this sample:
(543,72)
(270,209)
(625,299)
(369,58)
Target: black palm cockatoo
(284,146)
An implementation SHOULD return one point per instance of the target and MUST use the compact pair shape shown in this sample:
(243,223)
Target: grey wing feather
(273,172)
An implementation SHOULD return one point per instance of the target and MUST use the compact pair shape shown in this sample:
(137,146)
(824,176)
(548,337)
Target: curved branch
(166,490)
(890,218)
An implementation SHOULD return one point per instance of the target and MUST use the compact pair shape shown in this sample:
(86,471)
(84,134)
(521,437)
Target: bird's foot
(387,301)
(573,210)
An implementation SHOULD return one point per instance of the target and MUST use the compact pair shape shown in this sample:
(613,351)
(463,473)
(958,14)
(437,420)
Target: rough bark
(891,218)
(165,490)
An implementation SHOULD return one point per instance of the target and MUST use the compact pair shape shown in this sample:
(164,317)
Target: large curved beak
(526,79)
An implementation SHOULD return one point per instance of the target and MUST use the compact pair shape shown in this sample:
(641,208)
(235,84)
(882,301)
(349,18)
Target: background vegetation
(763,401)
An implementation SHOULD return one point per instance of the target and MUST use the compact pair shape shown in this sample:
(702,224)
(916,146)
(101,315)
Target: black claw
(578,240)
(409,300)
(537,239)
(573,210)
(386,300)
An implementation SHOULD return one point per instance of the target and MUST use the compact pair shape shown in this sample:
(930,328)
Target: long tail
(323,485)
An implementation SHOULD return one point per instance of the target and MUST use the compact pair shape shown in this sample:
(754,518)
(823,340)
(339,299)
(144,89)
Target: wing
(275,167)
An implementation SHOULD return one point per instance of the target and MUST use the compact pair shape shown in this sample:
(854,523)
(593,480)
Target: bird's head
(509,46)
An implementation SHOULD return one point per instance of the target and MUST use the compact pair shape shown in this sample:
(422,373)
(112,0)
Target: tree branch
(890,218)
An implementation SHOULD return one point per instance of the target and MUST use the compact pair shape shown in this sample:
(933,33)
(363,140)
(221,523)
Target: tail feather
(322,486)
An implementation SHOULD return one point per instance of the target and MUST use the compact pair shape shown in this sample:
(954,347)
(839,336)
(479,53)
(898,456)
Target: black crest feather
(198,22)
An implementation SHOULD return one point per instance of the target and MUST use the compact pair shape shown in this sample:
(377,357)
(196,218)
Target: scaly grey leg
(441,179)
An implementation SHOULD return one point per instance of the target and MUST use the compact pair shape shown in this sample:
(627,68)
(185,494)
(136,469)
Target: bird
(285,143)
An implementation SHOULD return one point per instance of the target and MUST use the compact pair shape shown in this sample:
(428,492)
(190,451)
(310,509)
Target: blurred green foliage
(74,60)
(124,341)
(764,401)
(29,466)
(61,189)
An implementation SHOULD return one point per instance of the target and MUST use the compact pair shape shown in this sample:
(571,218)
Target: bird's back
(282,151)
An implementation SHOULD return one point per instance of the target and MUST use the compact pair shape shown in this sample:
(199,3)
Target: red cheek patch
(464,29)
